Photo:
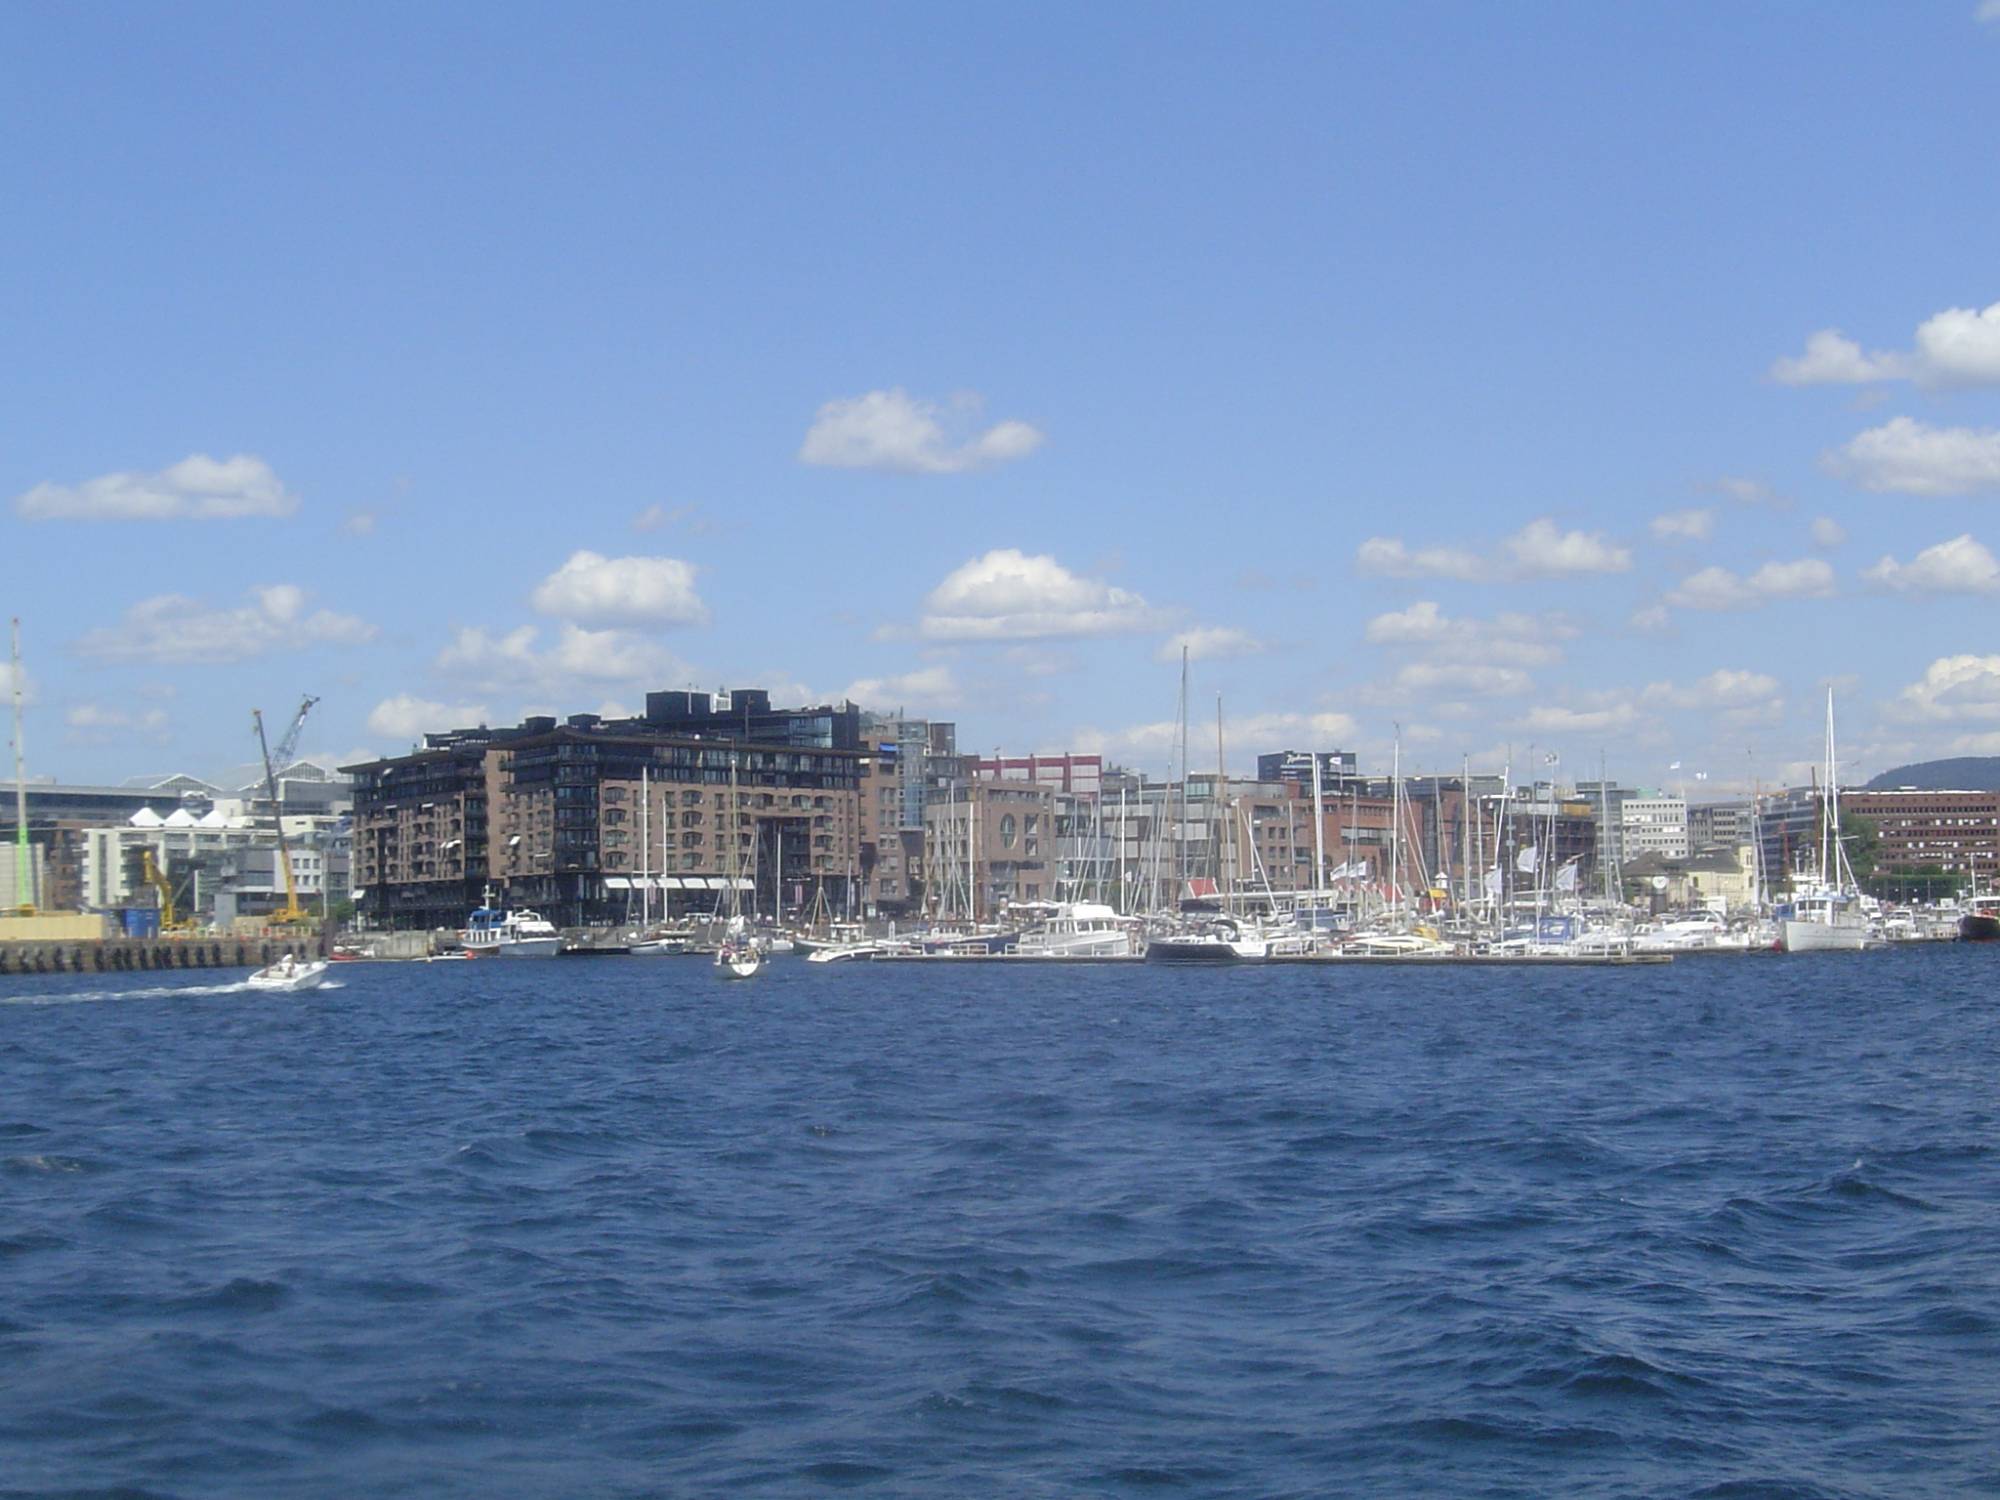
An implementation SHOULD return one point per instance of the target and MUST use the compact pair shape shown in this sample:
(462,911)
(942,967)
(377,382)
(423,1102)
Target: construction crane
(293,914)
(150,872)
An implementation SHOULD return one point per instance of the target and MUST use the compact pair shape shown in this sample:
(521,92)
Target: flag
(1566,877)
(1528,859)
(1675,766)
(1701,776)
(1551,759)
(1493,881)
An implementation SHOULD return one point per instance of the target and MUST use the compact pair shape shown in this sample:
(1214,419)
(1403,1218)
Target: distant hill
(1968,773)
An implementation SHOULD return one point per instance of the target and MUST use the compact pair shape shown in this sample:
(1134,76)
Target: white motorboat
(491,933)
(862,950)
(288,976)
(1077,929)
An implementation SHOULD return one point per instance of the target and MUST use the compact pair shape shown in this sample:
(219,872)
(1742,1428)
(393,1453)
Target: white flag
(1566,877)
(1675,766)
(1493,881)
(1528,859)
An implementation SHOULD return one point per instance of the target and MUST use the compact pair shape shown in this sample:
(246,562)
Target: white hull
(1823,937)
(737,968)
(518,948)
(660,948)
(1078,945)
(275,980)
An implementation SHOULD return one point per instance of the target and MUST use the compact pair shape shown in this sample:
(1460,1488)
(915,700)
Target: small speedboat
(289,976)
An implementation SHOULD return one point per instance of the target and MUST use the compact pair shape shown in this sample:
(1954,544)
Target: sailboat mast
(1829,844)
(1319,830)
(24,895)
(1180,823)
(1219,811)
(1396,825)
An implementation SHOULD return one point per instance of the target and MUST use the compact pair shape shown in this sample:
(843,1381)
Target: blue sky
(1604,380)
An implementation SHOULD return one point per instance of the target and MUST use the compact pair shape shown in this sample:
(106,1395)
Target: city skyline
(1606,384)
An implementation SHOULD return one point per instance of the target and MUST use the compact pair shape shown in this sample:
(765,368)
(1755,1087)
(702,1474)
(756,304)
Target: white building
(1653,825)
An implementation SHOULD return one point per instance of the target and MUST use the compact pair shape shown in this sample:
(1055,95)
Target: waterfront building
(1336,768)
(988,844)
(1956,832)
(1721,825)
(1079,774)
(1652,825)
(591,820)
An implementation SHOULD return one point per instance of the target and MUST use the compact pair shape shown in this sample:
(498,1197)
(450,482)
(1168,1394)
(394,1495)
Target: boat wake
(148,992)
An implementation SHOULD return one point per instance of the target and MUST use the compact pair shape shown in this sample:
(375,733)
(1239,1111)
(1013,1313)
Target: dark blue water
(1725,1228)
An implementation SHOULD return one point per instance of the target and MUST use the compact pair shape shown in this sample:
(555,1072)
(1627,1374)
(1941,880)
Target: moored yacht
(492,933)
(1980,921)
(1076,929)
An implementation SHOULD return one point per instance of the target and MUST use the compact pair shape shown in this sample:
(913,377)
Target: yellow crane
(150,872)
(293,913)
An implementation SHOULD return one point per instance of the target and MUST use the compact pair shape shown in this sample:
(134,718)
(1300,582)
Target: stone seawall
(117,955)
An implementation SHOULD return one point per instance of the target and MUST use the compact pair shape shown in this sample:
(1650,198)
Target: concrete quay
(121,955)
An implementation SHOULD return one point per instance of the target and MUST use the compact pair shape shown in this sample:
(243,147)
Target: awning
(743,883)
(617,883)
(671,882)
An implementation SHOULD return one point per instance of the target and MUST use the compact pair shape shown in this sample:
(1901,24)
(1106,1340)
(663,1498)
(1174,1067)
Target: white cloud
(1539,549)
(1155,744)
(1960,346)
(596,590)
(1724,688)
(1957,347)
(1551,718)
(360,523)
(90,716)
(1989,10)
(1959,566)
(1651,619)
(1387,557)
(514,666)
(1953,688)
(1718,588)
(1904,456)
(895,431)
(174,628)
(1463,677)
(406,717)
(690,518)
(1508,638)
(926,687)
(1009,595)
(1833,359)
(1749,492)
(1827,532)
(1209,643)
(1692,525)
(198,488)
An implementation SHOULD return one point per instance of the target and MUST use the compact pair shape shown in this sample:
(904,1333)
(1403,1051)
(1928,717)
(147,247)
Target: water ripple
(599,1229)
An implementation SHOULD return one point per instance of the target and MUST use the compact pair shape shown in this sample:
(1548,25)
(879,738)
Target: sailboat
(1823,914)
(739,957)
